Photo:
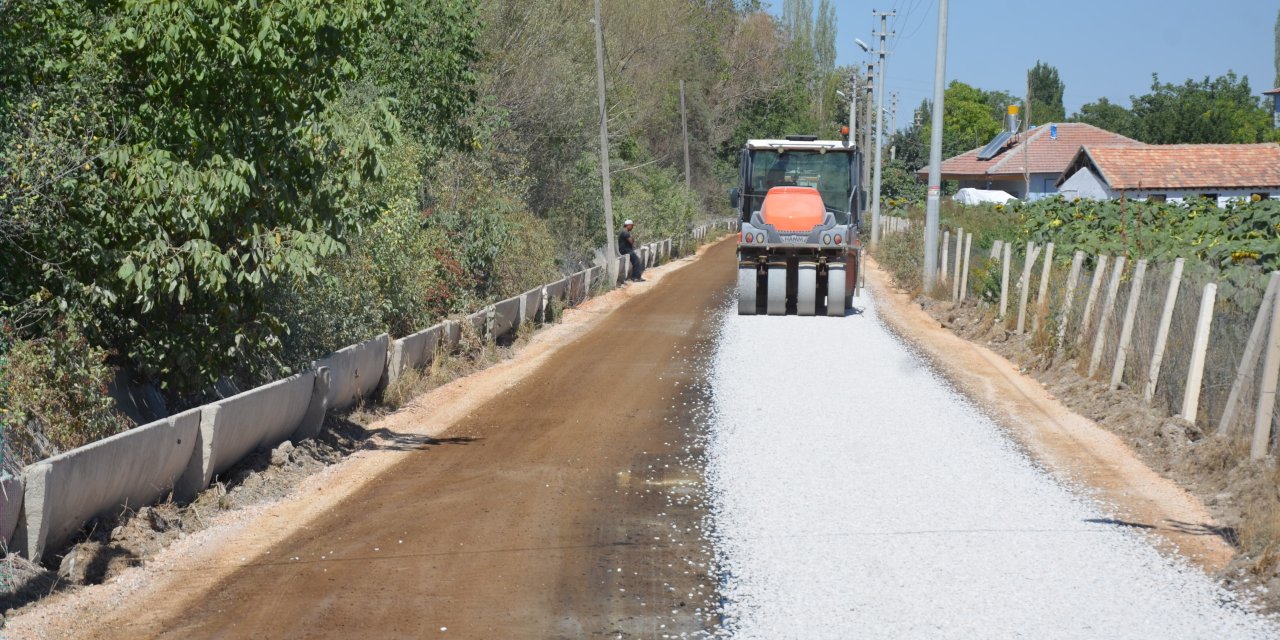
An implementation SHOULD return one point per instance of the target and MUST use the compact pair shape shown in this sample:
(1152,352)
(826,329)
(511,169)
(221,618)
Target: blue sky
(1101,48)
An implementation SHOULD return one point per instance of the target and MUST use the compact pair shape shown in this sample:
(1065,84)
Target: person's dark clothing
(627,247)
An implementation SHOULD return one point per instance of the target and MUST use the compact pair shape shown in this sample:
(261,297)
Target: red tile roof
(1271,92)
(1184,166)
(1046,155)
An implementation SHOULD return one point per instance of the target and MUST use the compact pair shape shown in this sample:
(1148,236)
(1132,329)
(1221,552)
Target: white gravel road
(855,495)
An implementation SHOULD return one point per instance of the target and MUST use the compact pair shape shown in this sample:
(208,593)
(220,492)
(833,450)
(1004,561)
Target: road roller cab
(799,202)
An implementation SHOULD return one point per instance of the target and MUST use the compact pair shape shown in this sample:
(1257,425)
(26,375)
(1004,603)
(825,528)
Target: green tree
(1046,91)
(1108,115)
(967,120)
(1213,110)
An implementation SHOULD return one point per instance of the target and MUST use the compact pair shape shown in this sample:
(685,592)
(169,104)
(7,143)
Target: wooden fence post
(1073,278)
(1004,280)
(1162,333)
(1195,374)
(955,280)
(1267,390)
(1024,284)
(995,249)
(1104,321)
(964,271)
(1041,295)
(1252,349)
(1086,320)
(1126,329)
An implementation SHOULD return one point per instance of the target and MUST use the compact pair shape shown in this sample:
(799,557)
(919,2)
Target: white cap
(627,222)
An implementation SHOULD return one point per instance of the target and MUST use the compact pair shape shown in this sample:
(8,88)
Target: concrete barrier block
(595,277)
(132,469)
(578,287)
(10,508)
(450,335)
(413,351)
(531,305)
(261,418)
(355,371)
(506,316)
(558,289)
(624,269)
(480,320)
(313,421)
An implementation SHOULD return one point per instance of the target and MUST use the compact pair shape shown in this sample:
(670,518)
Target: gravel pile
(855,494)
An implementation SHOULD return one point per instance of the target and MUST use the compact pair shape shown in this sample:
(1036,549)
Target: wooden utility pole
(684,128)
(610,243)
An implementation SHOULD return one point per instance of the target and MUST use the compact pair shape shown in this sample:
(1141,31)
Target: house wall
(1042,185)
(1224,195)
(1085,184)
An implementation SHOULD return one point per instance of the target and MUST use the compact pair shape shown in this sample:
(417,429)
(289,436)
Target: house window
(1210,196)
(1158,197)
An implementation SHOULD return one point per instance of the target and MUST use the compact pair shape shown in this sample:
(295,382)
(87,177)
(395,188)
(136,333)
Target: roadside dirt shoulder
(1067,443)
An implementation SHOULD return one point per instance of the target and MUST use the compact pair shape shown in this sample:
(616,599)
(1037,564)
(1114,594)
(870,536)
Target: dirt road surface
(563,508)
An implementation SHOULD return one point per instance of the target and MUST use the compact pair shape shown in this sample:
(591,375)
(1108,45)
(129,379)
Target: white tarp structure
(970,195)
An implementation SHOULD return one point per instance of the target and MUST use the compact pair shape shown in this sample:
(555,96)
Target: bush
(53,396)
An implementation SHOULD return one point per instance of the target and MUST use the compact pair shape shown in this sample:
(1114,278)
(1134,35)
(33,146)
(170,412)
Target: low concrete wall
(313,419)
(451,336)
(10,507)
(558,290)
(355,371)
(506,316)
(131,469)
(531,305)
(480,320)
(595,277)
(578,287)
(413,351)
(233,428)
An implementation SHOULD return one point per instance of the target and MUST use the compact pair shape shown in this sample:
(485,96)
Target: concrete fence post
(1195,373)
(955,279)
(1069,300)
(1104,320)
(1162,332)
(1086,320)
(995,249)
(1252,349)
(964,271)
(1043,293)
(1126,329)
(1004,280)
(1267,390)
(1024,284)
(942,264)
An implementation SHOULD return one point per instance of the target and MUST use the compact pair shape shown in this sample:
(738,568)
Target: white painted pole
(1191,397)
(1126,329)
(1024,284)
(1104,321)
(995,249)
(1086,320)
(1252,349)
(964,271)
(1162,333)
(1073,278)
(1267,390)
(942,266)
(955,278)
(1043,294)
(1004,281)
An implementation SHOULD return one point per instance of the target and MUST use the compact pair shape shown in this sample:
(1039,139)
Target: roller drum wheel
(835,292)
(746,292)
(777,289)
(807,290)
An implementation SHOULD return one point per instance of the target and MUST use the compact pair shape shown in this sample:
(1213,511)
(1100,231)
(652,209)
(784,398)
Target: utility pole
(931,220)
(1026,144)
(684,127)
(893,124)
(875,194)
(610,246)
(867,129)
